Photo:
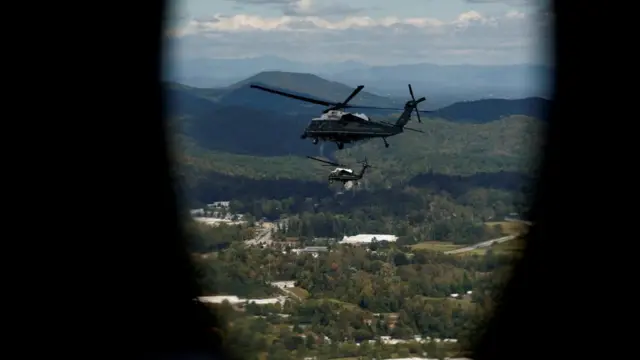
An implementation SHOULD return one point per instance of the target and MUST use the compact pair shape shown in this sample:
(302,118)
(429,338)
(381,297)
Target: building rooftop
(367,238)
(315,248)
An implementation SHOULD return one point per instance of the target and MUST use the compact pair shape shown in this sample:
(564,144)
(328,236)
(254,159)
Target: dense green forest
(485,178)
(445,148)
(348,295)
(440,186)
(444,209)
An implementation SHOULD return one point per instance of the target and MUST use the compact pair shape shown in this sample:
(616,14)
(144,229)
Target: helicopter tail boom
(409,107)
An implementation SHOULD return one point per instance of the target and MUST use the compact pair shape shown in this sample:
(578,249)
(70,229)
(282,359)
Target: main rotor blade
(325,161)
(297,97)
(411,92)
(416,130)
(354,93)
(370,107)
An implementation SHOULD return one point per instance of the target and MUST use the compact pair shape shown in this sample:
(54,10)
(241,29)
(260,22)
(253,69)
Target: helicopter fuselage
(343,175)
(343,128)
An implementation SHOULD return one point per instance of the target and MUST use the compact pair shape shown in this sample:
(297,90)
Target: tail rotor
(416,102)
(365,163)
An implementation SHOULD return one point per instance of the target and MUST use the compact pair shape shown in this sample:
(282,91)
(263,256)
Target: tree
(404,353)
(431,348)
(310,341)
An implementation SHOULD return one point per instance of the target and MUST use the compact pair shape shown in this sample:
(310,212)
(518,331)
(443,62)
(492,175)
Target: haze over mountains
(442,84)
(235,140)
(240,120)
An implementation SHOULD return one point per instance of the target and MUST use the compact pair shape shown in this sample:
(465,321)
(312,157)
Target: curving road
(481,245)
(263,235)
(290,294)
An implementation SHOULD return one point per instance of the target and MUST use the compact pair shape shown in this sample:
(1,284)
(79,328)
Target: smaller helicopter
(342,173)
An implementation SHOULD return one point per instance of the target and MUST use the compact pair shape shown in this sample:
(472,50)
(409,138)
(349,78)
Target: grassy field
(510,227)
(300,292)
(511,247)
(435,246)
(464,303)
(345,304)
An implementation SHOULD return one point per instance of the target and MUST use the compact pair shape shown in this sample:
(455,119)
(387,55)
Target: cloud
(510,2)
(305,7)
(264,2)
(535,4)
(512,37)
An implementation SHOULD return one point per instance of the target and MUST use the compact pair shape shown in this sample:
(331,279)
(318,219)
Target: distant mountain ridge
(240,94)
(241,120)
(486,110)
(297,83)
(445,84)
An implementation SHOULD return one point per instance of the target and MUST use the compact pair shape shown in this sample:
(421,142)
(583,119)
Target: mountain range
(443,84)
(233,135)
(211,115)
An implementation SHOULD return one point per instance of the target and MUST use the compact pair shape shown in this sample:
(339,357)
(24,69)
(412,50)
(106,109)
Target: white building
(279,300)
(284,284)
(313,250)
(367,238)
(219,205)
(234,300)
(212,221)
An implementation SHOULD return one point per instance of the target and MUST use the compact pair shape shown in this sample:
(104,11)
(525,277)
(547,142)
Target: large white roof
(220,299)
(367,238)
(232,299)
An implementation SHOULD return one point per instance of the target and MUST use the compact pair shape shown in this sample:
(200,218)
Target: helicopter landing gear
(340,146)
(303,136)
(315,141)
(386,144)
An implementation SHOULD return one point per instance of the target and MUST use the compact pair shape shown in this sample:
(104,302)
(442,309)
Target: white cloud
(304,7)
(510,2)
(472,37)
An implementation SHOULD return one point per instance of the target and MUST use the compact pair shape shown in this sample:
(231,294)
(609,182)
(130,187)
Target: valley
(258,135)
(445,199)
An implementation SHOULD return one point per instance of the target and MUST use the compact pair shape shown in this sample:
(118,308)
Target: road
(481,245)
(263,235)
(290,294)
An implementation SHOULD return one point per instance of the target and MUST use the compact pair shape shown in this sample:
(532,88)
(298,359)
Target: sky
(376,32)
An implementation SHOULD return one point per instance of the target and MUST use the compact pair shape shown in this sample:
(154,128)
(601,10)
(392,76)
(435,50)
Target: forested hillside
(347,298)
(483,111)
(445,188)
(438,185)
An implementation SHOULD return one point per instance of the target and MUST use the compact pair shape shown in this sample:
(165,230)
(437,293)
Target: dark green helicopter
(342,172)
(341,127)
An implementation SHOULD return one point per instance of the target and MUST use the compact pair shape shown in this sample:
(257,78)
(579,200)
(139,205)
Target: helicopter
(341,127)
(342,173)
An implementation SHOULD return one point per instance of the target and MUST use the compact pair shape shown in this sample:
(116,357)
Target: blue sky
(373,31)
